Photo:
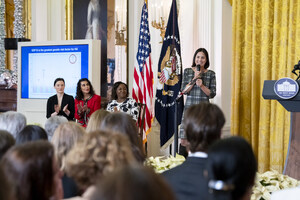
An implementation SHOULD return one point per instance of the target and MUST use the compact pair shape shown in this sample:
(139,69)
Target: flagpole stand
(176,128)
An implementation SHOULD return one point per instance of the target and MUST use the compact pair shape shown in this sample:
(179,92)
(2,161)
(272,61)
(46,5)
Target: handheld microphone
(198,67)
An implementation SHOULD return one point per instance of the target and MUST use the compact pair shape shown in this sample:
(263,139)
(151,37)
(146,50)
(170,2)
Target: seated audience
(86,101)
(52,123)
(32,171)
(231,169)
(96,119)
(98,154)
(64,138)
(133,183)
(6,141)
(31,133)
(203,124)
(120,101)
(13,122)
(124,124)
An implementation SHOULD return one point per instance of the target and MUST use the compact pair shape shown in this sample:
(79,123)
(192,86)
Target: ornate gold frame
(69,19)
(27,18)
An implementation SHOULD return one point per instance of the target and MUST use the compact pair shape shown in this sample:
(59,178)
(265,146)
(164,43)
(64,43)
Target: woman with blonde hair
(96,119)
(98,154)
(64,138)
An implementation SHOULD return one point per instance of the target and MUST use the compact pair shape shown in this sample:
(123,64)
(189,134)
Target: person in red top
(86,101)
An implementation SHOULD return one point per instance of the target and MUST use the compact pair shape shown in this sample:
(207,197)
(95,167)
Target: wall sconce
(161,26)
(120,35)
(158,16)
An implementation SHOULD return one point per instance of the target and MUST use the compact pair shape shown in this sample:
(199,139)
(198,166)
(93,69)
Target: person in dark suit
(61,103)
(202,125)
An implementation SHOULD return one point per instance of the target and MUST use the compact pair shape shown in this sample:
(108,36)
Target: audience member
(124,124)
(203,124)
(6,141)
(31,133)
(13,122)
(120,101)
(96,119)
(231,169)
(64,138)
(5,189)
(52,123)
(86,101)
(32,171)
(98,154)
(133,183)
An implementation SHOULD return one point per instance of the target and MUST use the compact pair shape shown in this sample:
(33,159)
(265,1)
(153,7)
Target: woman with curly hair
(86,101)
(98,154)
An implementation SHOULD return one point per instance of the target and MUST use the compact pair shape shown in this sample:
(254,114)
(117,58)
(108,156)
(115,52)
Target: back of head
(52,123)
(203,124)
(5,189)
(29,170)
(96,119)
(65,137)
(31,133)
(12,122)
(123,123)
(6,141)
(98,154)
(133,183)
(231,168)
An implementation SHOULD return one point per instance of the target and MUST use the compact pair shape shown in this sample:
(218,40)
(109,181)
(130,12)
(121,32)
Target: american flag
(142,90)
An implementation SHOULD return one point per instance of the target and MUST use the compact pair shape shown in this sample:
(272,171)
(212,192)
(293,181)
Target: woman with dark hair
(231,169)
(199,84)
(124,124)
(6,142)
(133,183)
(86,101)
(32,171)
(120,101)
(60,103)
(31,133)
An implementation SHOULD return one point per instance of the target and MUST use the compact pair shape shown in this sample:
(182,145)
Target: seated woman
(231,167)
(134,183)
(60,103)
(121,102)
(65,137)
(86,101)
(97,155)
(32,171)
(31,133)
(96,120)
(123,124)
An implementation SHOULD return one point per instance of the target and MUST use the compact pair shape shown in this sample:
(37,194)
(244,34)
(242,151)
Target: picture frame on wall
(105,20)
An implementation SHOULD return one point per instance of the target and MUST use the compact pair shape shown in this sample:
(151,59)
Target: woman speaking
(199,84)
(61,103)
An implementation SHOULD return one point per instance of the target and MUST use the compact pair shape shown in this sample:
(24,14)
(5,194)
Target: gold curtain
(266,38)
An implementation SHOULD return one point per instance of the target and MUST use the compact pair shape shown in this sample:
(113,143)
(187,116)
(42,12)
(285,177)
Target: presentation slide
(42,65)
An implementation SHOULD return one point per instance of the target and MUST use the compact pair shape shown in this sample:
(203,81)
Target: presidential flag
(142,90)
(169,80)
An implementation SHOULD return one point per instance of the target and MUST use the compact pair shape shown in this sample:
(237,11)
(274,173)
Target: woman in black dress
(61,103)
